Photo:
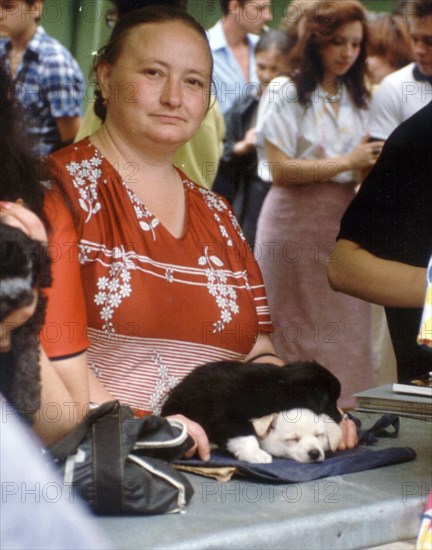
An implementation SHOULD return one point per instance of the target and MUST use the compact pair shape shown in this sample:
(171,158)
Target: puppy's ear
(265,424)
(334,434)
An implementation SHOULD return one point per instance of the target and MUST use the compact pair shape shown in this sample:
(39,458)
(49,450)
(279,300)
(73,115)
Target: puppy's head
(313,387)
(300,434)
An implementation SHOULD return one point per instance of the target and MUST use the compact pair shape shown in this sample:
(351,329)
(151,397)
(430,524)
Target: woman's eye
(195,82)
(151,72)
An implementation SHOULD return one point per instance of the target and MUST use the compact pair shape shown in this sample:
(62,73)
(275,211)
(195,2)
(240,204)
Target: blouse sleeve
(278,120)
(254,276)
(65,329)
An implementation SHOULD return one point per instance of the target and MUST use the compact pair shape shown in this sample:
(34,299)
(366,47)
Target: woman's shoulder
(208,200)
(279,88)
(79,151)
(280,92)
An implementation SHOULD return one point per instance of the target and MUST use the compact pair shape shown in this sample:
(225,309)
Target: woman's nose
(171,93)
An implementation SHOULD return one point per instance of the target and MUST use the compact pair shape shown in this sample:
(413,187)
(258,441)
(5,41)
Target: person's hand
(365,154)
(202,445)
(17,215)
(250,137)
(248,143)
(349,435)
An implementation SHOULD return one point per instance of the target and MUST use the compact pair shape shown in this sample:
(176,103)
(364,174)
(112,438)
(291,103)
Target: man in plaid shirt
(47,80)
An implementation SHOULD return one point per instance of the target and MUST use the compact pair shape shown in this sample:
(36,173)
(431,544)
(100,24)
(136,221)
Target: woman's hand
(349,435)
(17,215)
(202,445)
(247,144)
(364,155)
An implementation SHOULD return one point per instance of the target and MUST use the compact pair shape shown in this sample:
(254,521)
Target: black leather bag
(121,466)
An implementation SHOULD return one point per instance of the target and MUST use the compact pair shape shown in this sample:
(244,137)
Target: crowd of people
(152,272)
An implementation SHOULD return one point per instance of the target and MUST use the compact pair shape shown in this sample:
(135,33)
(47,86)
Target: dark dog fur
(25,265)
(224,397)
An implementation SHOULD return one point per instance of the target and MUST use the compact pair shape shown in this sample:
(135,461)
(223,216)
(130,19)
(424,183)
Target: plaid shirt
(49,84)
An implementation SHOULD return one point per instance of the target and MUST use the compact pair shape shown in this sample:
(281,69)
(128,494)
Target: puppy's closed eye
(292,439)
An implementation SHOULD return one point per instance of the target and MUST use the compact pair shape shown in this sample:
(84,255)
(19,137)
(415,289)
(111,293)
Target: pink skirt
(296,234)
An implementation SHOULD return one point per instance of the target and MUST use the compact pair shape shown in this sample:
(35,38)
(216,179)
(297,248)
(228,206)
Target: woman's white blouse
(308,133)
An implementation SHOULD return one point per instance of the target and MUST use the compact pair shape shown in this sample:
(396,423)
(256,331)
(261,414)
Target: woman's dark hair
(19,167)
(321,23)
(112,50)
(125,6)
(274,39)
(389,38)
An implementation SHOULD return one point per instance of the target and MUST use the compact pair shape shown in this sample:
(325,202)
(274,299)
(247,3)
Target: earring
(105,102)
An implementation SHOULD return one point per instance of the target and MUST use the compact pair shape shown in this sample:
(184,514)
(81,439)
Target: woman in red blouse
(168,280)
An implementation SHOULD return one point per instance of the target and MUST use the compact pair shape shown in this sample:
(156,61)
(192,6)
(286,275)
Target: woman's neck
(332,85)
(153,180)
(129,159)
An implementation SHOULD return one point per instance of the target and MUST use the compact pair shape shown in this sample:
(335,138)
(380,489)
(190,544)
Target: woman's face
(158,88)
(269,64)
(340,54)
(378,67)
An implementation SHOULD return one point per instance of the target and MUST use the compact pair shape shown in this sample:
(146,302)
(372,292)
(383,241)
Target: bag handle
(108,463)
(70,442)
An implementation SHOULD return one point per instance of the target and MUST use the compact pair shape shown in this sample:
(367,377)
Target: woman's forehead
(166,38)
(152,33)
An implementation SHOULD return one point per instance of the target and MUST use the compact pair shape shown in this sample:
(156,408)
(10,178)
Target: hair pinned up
(113,48)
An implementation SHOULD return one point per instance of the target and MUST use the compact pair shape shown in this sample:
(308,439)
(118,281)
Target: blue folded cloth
(338,463)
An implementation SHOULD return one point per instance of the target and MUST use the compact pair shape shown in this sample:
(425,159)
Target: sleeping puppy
(227,397)
(298,434)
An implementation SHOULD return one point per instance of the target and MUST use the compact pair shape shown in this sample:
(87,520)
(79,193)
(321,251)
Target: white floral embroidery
(85,178)
(216,204)
(164,384)
(225,295)
(114,288)
(145,218)
(83,253)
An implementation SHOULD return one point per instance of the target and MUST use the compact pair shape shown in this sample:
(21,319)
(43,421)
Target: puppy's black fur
(224,397)
(24,266)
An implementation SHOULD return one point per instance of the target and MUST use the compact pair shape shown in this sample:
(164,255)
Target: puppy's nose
(314,454)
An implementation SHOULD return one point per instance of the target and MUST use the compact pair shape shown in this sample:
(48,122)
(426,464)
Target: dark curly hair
(306,69)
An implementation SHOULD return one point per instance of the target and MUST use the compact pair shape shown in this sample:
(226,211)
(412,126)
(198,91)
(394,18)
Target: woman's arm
(357,272)
(289,171)
(263,346)
(61,410)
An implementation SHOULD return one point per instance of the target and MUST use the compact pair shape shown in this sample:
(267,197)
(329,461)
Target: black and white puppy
(227,399)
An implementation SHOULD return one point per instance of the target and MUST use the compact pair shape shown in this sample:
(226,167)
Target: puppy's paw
(259,457)
(247,449)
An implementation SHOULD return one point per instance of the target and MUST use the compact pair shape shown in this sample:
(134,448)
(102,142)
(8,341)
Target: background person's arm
(355,271)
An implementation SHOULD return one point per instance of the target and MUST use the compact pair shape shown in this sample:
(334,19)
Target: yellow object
(425,333)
